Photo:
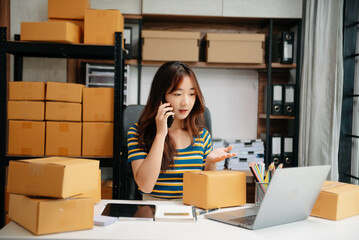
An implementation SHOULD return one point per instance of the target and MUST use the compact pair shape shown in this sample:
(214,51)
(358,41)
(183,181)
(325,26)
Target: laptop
(290,197)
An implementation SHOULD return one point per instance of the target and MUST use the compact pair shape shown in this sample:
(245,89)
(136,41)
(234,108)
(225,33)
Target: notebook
(290,197)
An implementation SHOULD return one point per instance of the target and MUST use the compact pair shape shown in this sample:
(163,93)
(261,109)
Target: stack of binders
(282,99)
(281,150)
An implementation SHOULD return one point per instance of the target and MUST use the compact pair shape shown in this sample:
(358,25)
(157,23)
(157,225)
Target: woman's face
(182,99)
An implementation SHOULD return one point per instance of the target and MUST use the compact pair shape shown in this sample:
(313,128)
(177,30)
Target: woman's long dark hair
(167,79)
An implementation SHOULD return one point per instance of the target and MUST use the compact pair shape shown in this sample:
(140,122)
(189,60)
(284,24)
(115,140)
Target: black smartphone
(170,118)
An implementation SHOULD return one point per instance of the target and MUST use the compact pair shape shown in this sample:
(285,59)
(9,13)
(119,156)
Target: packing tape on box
(63,151)
(99,117)
(26,125)
(64,127)
(332,185)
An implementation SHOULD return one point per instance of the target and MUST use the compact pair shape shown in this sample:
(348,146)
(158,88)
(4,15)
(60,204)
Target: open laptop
(290,197)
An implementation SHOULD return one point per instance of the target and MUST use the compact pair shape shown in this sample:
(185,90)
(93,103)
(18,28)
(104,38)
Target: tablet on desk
(130,211)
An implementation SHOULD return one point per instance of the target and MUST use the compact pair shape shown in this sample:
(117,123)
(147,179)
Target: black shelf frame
(59,50)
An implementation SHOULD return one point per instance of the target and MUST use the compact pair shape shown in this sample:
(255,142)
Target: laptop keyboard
(247,220)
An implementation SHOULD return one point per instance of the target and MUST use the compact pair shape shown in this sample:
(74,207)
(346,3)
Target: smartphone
(170,118)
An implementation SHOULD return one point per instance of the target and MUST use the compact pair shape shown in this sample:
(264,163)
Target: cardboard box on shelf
(97,139)
(57,177)
(336,201)
(79,23)
(235,48)
(106,189)
(63,32)
(26,138)
(98,104)
(27,91)
(63,111)
(64,92)
(68,9)
(101,25)
(26,110)
(170,45)
(214,189)
(63,138)
(46,215)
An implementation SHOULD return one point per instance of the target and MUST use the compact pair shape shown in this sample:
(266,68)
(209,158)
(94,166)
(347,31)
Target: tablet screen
(130,211)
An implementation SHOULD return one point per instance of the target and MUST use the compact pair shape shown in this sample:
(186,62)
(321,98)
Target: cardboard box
(98,104)
(63,32)
(97,139)
(25,110)
(170,45)
(337,201)
(26,138)
(45,215)
(26,91)
(214,189)
(64,92)
(79,23)
(101,25)
(95,193)
(56,177)
(63,138)
(106,189)
(235,48)
(68,9)
(7,219)
(63,111)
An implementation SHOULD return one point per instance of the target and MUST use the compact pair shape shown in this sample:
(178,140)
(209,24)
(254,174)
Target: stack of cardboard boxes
(50,195)
(74,22)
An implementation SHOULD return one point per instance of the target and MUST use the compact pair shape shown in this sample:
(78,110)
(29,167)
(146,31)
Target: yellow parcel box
(57,177)
(214,189)
(337,201)
(68,9)
(46,215)
(26,91)
(64,92)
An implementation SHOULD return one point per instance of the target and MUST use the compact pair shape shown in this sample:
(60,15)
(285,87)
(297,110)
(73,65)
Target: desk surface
(312,228)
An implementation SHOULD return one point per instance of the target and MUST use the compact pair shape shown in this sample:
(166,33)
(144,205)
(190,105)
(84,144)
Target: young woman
(159,153)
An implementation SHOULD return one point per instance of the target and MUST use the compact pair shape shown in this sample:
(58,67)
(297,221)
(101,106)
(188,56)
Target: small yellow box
(79,23)
(214,189)
(63,32)
(63,111)
(27,91)
(68,9)
(64,92)
(63,138)
(26,138)
(336,201)
(235,48)
(170,45)
(101,25)
(57,177)
(97,139)
(98,104)
(46,215)
(26,110)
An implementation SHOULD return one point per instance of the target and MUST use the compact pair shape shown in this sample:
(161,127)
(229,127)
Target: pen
(207,211)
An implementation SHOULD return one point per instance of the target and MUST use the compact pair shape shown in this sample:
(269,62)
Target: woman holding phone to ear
(160,152)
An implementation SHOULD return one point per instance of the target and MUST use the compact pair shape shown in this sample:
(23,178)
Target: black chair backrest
(131,114)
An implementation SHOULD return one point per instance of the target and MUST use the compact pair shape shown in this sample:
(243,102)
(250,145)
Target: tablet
(130,211)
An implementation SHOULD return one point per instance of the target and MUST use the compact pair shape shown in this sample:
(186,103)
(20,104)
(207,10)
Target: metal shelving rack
(58,50)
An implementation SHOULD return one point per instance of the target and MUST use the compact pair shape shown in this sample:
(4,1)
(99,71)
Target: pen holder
(260,190)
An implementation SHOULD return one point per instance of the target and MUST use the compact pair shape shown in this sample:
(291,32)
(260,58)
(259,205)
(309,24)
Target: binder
(127,35)
(286,47)
(288,99)
(275,149)
(276,100)
(287,150)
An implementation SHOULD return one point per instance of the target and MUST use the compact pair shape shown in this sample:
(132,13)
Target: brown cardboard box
(79,23)
(26,138)
(214,189)
(170,45)
(106,189)
(64,32)
(337,201)
(101,25)
(235,48)
(63,138)
(57,177)
(26,91)
(97,139)
(45,215)
(98,104)
(64,92)
(26,110)
(95,193)
(63,111)
(68,9)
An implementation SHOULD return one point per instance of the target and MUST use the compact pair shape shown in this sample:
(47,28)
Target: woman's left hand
(219,154)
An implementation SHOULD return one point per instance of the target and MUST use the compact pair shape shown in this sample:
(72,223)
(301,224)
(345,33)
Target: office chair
(131,114)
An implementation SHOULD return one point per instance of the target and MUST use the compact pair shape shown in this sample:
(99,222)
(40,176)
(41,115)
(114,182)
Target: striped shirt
(190,159)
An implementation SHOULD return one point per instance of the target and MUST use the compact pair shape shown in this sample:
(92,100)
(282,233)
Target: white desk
(312,228)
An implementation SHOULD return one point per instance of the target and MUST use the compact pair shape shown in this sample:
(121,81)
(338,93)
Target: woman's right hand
(163,112)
